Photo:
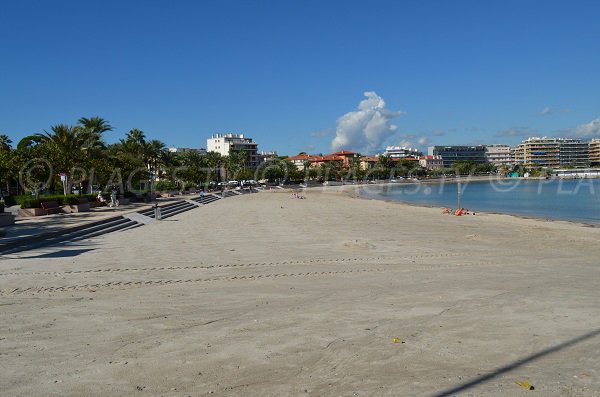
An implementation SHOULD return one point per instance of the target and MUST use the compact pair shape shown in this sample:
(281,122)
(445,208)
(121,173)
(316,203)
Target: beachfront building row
(303,160)
(533,152)
(450,154)
(552,153)
(345,158)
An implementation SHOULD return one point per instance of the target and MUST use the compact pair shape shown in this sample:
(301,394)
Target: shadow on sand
(509,367)
(65,253)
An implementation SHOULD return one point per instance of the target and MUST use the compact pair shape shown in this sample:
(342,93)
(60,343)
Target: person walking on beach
(113,197)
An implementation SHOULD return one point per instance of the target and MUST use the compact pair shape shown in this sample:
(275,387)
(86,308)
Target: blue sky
(284,72)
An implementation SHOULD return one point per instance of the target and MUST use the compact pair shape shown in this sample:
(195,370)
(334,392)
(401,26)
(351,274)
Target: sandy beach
(265,295)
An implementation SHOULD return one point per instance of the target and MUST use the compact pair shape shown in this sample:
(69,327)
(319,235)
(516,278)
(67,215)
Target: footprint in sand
(358,244)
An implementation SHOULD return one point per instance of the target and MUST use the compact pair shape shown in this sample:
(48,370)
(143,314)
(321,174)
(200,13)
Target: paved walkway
(33,226)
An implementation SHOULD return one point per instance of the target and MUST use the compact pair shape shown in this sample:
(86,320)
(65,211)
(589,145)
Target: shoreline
(356,195)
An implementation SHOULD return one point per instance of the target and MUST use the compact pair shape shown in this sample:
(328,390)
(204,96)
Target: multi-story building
(450,154)
(595,152)
(301,161)
(228,143)
(268,156)
(368,162)
(498,155)
(401,151)
(431,162)
(552,152)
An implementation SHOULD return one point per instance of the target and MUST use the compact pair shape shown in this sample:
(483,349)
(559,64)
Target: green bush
(72,200)
(165,185)
(9,201)
(30,203)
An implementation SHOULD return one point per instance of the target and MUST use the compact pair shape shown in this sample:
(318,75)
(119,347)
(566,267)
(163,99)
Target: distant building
(401,152)
(595,152)
(318,161)
(498,155)
(268,156)
(228,143)
(552,152)
(368,162)
(302,160)
(186,149)
(578,173)
(450,154)
(431,162)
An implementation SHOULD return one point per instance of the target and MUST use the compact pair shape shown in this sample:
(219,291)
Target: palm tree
(5,160)
(214,161)
(136,136)
(65,146)
(5,142)
(232,164)
(154,154)
(93,128)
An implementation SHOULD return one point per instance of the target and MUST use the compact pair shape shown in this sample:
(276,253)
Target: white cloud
(423,141)
(365,129)
(548,110)
(589,130)
(517,132)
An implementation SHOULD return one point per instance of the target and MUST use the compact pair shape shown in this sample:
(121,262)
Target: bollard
(157,214)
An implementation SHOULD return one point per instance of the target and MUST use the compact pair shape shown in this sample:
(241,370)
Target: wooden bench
(51,207)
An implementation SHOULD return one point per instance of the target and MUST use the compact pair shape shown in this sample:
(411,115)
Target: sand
(265,295)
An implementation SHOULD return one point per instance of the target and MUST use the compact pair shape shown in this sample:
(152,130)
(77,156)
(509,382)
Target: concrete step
(66,235)
(113,228)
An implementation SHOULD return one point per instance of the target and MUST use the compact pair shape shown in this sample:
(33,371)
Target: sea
(576,200)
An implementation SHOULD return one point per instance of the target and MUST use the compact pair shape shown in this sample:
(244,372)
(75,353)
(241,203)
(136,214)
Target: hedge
(72,199)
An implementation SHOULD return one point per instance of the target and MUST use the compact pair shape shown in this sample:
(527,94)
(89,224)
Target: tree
(214,160)
(195,167)
(462,167)
(154,155)
(65,147)
(94,146)
(385,162)
(6,161)
(5,143)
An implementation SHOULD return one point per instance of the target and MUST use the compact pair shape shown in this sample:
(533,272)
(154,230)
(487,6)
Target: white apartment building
(227,143)
(498,155)
(401,152)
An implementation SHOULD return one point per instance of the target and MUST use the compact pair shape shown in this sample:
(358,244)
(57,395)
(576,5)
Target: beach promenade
(266,295)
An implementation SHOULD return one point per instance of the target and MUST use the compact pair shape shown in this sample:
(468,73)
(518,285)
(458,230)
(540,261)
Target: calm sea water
(575,200)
